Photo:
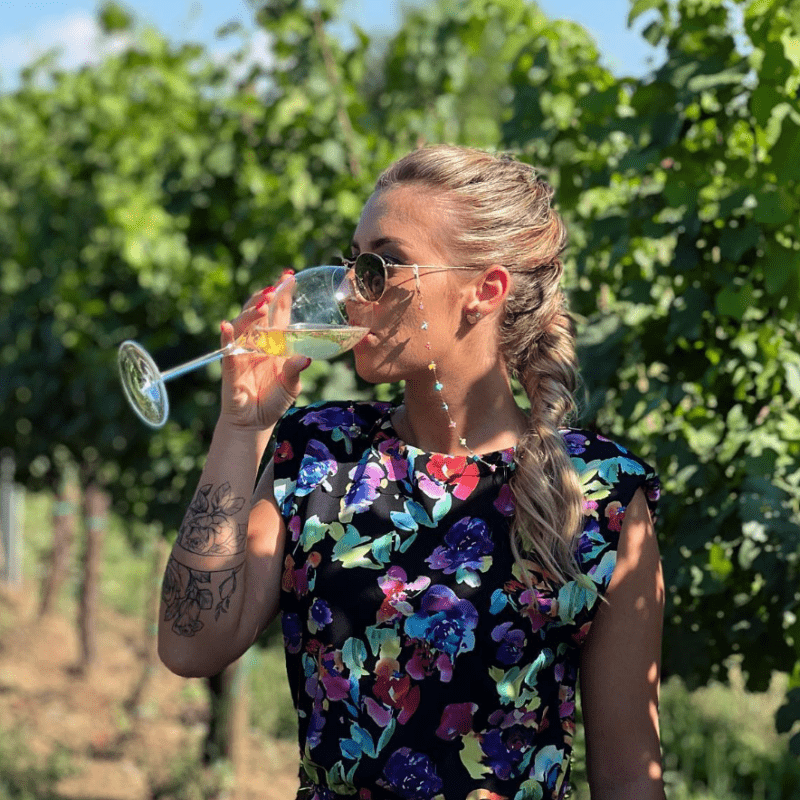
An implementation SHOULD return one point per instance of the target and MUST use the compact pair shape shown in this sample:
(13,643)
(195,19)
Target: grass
(25,776)
(719,742)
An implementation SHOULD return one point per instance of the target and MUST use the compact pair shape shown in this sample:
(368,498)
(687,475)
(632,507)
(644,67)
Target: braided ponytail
(506,218)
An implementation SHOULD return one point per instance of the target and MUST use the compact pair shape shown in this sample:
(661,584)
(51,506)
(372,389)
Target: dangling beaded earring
(439,386)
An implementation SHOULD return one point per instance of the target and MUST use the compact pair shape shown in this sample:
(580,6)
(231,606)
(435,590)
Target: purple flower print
(456,720)
(337,687)
(292,632)
(591,542)
(319,616)
(397,591)
(444,621)
(505,501)
(412,775)
(395,464)
(429,487)
(466,544)
(512,642)
(332,417)
(318,464)
(364,489)
(576,443)
(505,749)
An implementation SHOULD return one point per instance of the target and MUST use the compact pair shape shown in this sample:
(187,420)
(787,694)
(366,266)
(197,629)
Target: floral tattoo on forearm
(209,527)
(186,592)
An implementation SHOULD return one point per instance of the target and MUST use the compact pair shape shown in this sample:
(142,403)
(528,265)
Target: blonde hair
(505,217)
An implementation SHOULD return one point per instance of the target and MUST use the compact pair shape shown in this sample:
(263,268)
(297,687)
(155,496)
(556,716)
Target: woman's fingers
(281,302)
(290,375)
(226,333)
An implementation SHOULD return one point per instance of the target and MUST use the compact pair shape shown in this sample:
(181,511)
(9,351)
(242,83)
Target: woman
(443,568)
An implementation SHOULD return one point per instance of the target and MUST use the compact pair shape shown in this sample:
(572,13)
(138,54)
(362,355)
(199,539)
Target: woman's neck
(483,409)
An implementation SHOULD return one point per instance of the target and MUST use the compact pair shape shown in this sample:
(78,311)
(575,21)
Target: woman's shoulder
(609,471)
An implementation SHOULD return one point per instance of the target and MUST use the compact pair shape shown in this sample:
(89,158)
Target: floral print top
(420,663)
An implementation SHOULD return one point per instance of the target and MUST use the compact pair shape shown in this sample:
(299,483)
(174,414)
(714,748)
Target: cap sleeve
(610,475)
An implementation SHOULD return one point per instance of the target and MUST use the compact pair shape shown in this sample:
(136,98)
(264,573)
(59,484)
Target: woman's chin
(370,369)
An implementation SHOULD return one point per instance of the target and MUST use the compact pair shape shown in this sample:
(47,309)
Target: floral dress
(421,664)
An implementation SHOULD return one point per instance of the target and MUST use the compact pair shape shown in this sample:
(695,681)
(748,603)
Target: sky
(28,28)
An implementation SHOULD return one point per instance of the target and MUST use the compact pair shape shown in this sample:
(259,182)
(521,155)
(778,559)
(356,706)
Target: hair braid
(505,217)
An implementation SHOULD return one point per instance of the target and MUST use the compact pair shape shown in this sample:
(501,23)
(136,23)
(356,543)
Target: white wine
(313,341)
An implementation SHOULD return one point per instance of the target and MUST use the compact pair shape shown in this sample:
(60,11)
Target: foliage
(148,195)
(689,282)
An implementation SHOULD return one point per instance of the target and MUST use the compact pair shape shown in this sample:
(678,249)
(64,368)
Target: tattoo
(186,592)
(209,528)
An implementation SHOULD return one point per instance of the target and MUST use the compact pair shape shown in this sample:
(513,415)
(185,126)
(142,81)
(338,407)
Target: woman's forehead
(406,214)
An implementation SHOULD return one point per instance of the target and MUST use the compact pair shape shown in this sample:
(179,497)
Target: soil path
(118,750)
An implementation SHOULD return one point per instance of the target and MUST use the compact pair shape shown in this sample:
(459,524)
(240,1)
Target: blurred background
(159,162)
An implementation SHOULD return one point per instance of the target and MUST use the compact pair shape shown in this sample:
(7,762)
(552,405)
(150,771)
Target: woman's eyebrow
(376,244)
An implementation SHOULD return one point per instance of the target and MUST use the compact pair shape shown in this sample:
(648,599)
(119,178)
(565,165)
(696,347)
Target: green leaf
(760,7)
(701,83)
(733,302)
(639,7)
(784,153)
(789,713)
(780,265)
(718,562)
(114,18)
(793,380)
(774,206)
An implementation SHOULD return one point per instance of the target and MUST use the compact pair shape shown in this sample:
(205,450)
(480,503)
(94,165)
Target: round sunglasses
(370,273)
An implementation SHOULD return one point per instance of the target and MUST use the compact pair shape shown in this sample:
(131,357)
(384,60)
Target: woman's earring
(473,316)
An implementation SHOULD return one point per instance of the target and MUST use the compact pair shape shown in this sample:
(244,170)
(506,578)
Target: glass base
(143,385)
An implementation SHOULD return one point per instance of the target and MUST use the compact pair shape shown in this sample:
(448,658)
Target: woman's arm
(222,580)
(620,670)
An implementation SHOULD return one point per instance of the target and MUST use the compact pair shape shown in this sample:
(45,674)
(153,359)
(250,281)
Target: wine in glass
(308,316)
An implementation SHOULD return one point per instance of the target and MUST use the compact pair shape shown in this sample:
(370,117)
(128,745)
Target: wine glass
(308,315)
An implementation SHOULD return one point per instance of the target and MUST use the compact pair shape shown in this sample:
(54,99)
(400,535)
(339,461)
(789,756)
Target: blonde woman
(450,569)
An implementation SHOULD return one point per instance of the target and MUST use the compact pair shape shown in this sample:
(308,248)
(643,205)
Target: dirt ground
(128,725)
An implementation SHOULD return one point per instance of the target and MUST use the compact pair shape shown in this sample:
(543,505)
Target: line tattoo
(209,527)
(186,592)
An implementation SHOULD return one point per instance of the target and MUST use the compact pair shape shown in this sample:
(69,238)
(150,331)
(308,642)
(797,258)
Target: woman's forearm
(644,789)
(203,594)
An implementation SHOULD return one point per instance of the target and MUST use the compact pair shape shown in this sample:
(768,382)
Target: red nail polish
(306,365)
(261,303)
(222,326)
(268,290)
(288,272)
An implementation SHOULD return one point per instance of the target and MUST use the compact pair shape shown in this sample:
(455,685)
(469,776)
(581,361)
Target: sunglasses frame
(352,263)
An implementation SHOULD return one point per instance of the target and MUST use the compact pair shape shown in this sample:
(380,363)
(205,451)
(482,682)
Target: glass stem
(196,363)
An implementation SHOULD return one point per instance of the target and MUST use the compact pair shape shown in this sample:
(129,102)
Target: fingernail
(261,303)
(222,326)
(288,272)
(268,290)
(306,365)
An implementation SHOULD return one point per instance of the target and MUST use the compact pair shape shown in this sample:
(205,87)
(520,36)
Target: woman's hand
(257,390)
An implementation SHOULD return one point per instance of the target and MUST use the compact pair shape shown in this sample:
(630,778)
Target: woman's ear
(491,290)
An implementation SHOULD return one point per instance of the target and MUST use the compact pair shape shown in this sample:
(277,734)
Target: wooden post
(150,653)
(227,725)
(65,516)
(95,513)
(11,522)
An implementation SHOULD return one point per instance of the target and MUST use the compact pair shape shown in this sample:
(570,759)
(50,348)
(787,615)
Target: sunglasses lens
(370,275)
